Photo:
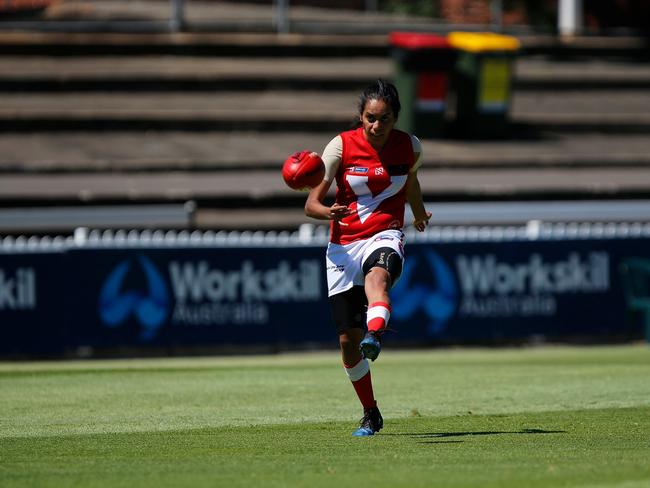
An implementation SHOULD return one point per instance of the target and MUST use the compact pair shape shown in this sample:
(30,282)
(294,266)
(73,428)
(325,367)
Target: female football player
(375,168)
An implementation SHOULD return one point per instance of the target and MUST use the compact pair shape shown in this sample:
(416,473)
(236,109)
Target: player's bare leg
(377,284)
(349,342)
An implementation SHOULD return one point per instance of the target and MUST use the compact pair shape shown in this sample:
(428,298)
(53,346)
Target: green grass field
(530,417)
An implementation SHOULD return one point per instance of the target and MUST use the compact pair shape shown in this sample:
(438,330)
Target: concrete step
(541,73)
(611,111)
(165,73)
(191,43)
(169,73)
(303,103)
(222,195)
(309,42)
(127,152)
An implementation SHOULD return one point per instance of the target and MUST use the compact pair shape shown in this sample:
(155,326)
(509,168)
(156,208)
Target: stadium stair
(102,118)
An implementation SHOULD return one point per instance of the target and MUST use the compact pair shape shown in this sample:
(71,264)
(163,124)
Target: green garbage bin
(423,64)
(482,82)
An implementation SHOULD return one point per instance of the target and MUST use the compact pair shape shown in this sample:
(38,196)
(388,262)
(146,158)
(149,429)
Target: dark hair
(381,90)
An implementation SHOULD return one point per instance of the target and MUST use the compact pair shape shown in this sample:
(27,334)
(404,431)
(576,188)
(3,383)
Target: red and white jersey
(371,184)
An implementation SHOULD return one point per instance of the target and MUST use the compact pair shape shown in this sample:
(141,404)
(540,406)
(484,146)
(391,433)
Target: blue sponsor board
(211,297)
(32,314)
(499,291)
(275,297)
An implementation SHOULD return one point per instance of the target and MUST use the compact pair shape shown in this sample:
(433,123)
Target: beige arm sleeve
(332,155)
(417,150)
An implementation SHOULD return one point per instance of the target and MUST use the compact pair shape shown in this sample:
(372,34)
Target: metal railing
(317,235)
(177,20)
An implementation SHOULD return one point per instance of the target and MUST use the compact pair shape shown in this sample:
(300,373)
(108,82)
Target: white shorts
(345,261)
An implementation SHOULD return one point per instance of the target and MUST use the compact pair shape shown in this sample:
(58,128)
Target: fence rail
(173,17)
(316,235)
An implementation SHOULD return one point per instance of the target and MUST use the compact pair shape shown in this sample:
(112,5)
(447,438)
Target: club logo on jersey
(359,169)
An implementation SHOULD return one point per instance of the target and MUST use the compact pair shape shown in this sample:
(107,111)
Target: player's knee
(349,346)
(346,342)
(378,277)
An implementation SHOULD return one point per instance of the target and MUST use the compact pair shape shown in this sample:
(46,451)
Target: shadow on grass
(442,435)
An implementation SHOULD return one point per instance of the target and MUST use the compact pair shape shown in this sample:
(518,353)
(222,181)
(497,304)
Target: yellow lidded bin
(482,81)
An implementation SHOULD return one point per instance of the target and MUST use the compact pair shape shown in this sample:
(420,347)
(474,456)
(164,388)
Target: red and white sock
(359,375)
(377,316)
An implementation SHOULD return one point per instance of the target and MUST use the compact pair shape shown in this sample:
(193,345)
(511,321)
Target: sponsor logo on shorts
(339,268)
(384,238)
(359,169)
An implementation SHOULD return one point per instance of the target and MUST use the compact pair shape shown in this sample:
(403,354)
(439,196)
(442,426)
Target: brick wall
(465,11)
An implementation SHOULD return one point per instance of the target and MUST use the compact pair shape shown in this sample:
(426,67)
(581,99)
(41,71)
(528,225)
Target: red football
(303,170)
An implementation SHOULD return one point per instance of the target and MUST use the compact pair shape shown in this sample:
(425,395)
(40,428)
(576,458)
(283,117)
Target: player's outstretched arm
(315,208)
(414,196)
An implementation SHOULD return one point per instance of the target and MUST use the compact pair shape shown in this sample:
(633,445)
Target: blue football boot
(370,424)
(370,346)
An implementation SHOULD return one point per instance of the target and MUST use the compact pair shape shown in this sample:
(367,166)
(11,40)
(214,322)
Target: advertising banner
(199,296)
(275,297)
(496,291)
(32,314)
